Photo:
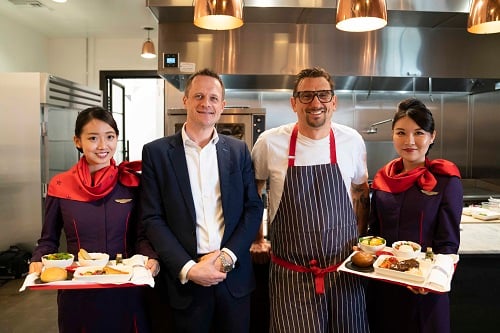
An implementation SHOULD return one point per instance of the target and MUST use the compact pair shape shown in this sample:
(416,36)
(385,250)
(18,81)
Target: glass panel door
(117,107)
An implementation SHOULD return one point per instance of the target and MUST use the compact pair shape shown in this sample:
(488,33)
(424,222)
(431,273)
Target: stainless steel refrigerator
(37,118)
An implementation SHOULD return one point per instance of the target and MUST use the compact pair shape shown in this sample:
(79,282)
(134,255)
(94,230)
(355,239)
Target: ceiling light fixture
(484,17)
(361,15)
(60,1)
(148,48)
(218,14)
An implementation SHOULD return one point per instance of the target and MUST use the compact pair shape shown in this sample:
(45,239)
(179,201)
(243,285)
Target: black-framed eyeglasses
(324,96)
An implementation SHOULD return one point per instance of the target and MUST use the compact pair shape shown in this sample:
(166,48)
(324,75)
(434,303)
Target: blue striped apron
(314,224)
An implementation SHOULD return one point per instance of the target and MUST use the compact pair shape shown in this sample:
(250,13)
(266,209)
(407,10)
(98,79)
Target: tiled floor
(28,311)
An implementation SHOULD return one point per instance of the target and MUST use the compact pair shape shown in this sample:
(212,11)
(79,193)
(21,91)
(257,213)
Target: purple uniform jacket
(430,220)
(108,225)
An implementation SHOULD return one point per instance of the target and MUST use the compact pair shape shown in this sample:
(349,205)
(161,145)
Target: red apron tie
(319,273)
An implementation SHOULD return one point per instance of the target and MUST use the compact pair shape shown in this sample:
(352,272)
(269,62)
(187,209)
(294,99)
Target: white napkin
(136,260)
(141,274)
(442,272)
(29,280)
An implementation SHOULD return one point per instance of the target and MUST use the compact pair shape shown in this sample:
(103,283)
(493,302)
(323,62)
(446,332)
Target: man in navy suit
(201,211)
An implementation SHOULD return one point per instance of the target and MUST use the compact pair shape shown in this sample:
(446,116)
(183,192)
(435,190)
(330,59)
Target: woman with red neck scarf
(95,203)
(415,199)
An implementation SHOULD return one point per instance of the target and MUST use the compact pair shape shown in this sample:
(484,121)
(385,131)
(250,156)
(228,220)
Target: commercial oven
(243,123)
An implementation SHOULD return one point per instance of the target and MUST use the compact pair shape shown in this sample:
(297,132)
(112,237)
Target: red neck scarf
(390,178)
(78,184)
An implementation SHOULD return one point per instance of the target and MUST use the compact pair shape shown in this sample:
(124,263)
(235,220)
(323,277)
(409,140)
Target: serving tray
(436,276)
(137,275)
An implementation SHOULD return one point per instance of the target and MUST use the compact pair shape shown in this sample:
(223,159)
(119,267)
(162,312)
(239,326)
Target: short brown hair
(204,72)
(312,72)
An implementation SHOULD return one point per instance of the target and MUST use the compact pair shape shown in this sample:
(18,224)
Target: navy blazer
(168,211)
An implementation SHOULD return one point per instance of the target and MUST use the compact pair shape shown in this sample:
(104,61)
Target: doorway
(136,99)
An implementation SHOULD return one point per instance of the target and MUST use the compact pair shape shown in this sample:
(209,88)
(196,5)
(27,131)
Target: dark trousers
(102,310)
(213,309)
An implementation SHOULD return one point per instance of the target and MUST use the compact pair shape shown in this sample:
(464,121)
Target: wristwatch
(226,265)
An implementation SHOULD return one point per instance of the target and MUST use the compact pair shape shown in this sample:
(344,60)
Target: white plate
(424,268)
(106,278)
(467,211)
(485,214)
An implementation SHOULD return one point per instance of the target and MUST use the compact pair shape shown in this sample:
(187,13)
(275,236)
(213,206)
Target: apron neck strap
(293,145)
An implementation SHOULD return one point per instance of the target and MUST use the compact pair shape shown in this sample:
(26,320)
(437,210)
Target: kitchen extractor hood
(421,13)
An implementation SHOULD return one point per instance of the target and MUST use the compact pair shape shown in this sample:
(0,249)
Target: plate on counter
(485,214)
(106,274)
(414,274)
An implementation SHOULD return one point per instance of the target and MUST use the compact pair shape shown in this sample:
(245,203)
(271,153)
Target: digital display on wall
(170,60)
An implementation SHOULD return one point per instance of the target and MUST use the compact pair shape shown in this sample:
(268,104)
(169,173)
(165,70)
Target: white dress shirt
(204,180)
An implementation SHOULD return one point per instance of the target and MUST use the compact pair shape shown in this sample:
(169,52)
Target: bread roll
(52,274)
(362,259)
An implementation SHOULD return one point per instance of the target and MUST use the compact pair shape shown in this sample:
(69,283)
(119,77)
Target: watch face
(226,266)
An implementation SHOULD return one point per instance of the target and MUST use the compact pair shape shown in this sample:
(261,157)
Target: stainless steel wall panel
(453,133)
(486,135)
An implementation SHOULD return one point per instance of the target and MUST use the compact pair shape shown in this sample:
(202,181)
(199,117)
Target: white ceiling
(82,18)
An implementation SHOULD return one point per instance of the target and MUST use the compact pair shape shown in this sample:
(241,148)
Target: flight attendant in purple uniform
(318,204)
(95,203)
(415,199)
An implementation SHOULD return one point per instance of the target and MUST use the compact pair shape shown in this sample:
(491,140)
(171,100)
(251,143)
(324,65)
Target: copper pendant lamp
(361,15)
(484,17)
(148,48)
(218,14)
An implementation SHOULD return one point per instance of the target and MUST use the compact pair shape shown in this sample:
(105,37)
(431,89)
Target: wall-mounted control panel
(170,60)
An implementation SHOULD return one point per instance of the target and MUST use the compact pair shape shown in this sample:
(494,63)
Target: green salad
(58,256)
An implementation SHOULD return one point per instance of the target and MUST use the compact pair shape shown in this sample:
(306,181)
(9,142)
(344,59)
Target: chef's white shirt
(270,157)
